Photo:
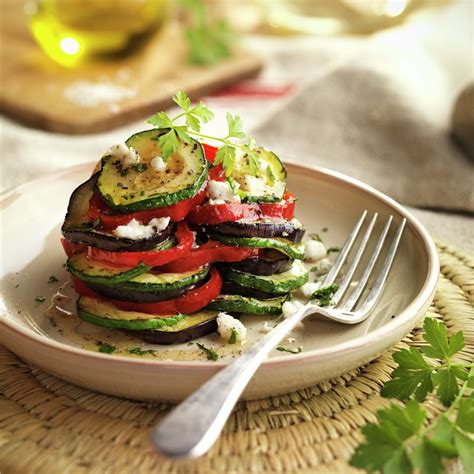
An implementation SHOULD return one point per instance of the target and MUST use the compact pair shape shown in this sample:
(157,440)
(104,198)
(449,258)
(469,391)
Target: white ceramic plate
(31,219)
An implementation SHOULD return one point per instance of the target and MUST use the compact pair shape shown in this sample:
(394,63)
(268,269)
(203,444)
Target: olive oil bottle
(72,31)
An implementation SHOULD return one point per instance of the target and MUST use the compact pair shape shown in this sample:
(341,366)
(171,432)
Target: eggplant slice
(265,228)
(175,337)
(232,288)
(78,229)
(270,263)
(134,296)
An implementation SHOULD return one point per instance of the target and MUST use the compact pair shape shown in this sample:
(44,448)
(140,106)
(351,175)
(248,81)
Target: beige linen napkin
(381,117)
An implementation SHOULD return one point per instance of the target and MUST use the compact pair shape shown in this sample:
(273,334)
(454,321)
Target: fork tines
(352,264)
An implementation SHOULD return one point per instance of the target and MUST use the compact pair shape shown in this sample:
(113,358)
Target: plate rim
(425,295)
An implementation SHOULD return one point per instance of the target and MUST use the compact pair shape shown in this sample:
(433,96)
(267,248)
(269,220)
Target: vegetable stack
(169,232)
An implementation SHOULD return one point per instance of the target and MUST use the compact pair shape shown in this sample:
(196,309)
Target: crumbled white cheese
(266,328)
(290,307)
(323,266)
(254,186)
(309,288)
(135,231)
(127,155)
(296,223)
(158,164)
(220,192)
(225,324)
(314,251)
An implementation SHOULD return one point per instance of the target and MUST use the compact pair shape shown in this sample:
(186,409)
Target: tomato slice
(192,301)
(176,212)
(217,172)
(151,258)
(209,252)
(71,248)
(217,213)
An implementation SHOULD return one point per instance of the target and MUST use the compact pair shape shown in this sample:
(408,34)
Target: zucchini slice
(269,185)
(292,249)
(244,304)
(141,187)
(104,314)
(138,279)
(278,284)
(98,272)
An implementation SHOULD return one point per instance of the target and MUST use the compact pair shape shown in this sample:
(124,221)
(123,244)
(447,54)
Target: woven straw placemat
(50,426)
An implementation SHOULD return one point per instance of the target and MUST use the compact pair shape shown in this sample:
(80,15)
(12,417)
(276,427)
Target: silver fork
(195,424)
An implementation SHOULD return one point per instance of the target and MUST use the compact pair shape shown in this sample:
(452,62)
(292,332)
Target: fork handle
(191,428)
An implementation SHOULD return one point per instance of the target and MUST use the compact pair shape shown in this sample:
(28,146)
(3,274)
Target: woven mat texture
(50,426)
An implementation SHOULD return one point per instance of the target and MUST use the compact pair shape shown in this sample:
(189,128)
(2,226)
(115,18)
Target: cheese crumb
(290,307)
(266,328)
(323,266)
(220,192)
(158,164)
(309,288)
(226,323)
(314,251)
(127,155)
(135,231)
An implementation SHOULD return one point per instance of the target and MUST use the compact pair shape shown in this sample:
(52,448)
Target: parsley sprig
(208,40)
(400,442)
(194,118)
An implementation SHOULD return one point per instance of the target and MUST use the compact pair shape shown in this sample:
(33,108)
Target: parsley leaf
(168,144)
(383,448)
(465,448)
(447,385)
(465,417)
(427,459)
(226,156)
(139,351)
(106,348)
(40,299)
(436,335)
(52,279)
(211,354)
(291,351)
(233,336)
(413,375)
(325,294)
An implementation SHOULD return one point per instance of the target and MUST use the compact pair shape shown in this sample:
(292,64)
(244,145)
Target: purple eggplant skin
(108,241)
(178,337)
(232,288)
(276,263)
(78,229)
(114,292)
(276,228)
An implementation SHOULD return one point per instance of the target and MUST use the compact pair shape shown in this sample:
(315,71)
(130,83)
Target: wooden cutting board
(42,94)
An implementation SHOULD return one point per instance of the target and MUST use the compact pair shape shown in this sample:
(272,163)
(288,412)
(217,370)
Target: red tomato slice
(71,248)
(210,152)
(176,212)
(151,258)
(217,213)
(217,172)
(210,252)
(192,301)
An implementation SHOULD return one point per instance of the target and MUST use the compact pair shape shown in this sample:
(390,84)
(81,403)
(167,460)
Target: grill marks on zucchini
(185,174)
